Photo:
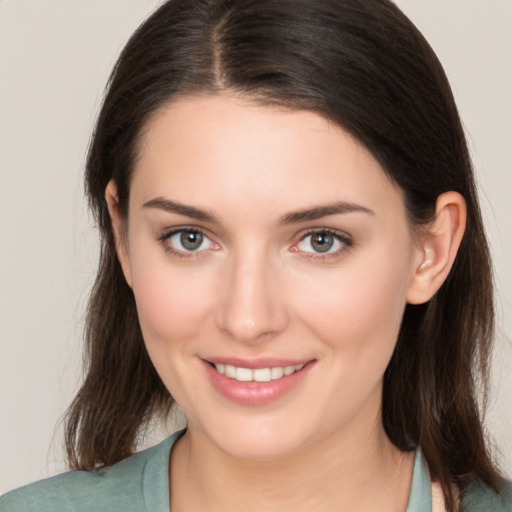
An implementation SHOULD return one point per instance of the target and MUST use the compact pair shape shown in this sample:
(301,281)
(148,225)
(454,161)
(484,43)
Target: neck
(359,471)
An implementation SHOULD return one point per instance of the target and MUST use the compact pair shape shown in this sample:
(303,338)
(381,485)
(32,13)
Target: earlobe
(112,199)
(438,248)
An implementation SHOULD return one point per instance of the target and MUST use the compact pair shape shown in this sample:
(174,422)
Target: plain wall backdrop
(55,57)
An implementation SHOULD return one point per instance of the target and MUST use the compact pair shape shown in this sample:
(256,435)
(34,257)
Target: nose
(251,308)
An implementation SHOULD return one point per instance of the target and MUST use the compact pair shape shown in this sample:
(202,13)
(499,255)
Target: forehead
(208,149)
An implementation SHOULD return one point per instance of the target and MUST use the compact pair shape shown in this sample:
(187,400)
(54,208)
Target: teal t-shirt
(140,483)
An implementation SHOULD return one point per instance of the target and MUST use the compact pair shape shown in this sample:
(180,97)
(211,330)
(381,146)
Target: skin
(257,288)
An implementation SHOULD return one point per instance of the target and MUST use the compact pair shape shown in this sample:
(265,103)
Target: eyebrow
(319,212)
(309,214)
(182,209)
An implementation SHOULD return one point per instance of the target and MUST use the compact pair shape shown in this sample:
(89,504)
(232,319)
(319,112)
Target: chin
(256,440)
(260,447)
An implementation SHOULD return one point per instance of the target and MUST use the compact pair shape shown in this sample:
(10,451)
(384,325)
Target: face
(270,258)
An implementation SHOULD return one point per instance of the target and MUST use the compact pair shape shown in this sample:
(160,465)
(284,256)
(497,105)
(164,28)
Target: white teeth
(288,370)
(262,375)
(277,372)
(243,374)
(257,375)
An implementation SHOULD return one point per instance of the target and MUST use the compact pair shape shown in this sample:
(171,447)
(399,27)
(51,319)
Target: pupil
(322,242)
(191,241)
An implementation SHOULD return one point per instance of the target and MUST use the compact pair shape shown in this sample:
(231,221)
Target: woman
(292,249)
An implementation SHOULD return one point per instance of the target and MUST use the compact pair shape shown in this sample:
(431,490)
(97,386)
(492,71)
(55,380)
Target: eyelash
(177,254)
(344,239)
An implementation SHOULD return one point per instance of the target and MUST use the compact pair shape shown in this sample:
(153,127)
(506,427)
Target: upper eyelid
(343,238)
(164,241)
(297,237)
(168,232)
(335,232)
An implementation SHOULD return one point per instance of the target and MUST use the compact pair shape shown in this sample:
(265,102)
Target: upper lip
(254,364)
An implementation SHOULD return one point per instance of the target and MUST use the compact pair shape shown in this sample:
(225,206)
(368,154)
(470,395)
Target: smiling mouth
(256,375)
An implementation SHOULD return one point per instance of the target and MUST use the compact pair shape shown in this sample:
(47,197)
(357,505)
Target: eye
(187,241)
(323,242)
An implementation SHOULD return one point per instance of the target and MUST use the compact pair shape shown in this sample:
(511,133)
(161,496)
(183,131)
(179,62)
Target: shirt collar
(420,498)
(156,480)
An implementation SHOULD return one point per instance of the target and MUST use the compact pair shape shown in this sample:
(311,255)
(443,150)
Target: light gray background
(55,57)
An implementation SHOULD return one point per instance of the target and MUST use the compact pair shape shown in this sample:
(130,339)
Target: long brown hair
(365,66)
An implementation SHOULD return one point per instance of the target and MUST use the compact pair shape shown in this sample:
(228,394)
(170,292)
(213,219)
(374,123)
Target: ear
(437,248)
(118,228)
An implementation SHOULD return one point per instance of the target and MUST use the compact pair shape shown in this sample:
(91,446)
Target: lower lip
(255,393)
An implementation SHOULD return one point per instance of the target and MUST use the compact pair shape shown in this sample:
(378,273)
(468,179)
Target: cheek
(358,311)
(173,306)
(172,301)
(357,316)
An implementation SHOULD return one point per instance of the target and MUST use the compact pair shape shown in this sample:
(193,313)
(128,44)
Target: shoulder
(118,487)
(480,498)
